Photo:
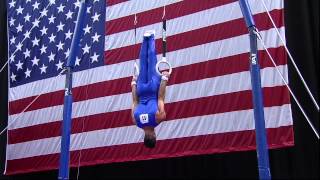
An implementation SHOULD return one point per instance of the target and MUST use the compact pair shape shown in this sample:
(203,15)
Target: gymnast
(148,92)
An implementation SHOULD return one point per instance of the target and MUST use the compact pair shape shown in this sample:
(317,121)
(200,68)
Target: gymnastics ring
(163,60)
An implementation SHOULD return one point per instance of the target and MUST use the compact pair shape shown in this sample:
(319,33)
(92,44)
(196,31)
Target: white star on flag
(13,77)
(86,49)
(36,5)
(59,65)
(28,73)
(35,61)
(19,65)
(94,58)
(95,17)
(35,42)
(43,69)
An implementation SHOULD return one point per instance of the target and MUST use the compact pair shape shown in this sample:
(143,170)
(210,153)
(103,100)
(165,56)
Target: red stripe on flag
(114,2)
(152,16)
(227,65)
(196,37)
(273,96)
(208,144)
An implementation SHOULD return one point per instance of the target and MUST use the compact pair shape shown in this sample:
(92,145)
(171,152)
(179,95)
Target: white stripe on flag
(133,7)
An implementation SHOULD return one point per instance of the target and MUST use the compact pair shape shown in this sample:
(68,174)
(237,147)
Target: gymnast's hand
(165,74)
(134,80)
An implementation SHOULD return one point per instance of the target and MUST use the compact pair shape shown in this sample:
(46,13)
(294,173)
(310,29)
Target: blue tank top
(147,107)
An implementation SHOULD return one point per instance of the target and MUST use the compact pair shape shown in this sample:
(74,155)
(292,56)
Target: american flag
(208,99)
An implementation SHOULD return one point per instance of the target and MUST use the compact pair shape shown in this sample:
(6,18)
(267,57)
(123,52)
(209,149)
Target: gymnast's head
(149,138)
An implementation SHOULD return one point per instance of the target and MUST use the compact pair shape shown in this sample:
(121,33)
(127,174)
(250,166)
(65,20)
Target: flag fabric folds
(208,99)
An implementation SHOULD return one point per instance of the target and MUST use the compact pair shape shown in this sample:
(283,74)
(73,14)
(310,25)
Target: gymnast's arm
(135,99)
(161,113)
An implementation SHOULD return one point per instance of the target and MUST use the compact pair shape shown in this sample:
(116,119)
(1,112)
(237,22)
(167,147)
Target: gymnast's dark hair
(149,141)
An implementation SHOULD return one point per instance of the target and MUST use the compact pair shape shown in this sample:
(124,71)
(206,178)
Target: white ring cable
(291,58)
(256,31)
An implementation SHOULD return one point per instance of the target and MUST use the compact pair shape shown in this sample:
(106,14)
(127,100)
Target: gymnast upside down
(148,92)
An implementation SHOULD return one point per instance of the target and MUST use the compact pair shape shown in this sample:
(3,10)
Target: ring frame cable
(291,58)
(256,31)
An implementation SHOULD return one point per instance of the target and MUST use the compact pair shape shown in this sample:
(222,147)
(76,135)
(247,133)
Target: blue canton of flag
(40,35)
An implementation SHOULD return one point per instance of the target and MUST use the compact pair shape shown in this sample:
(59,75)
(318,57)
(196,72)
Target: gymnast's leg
(152,59)
(143,76)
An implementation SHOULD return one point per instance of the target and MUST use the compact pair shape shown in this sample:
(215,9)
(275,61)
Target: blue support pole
(261,139)
(67,109)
